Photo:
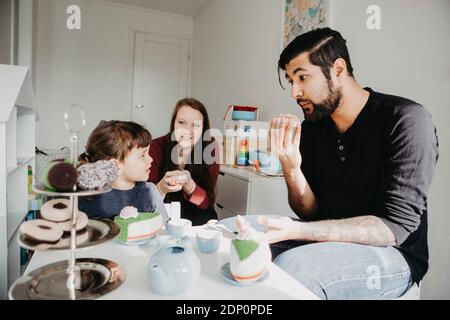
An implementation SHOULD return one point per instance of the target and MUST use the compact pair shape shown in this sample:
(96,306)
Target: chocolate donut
(41,230)
(57,210)
(60,176)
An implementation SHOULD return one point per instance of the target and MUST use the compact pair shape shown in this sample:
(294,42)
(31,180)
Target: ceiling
(183,7)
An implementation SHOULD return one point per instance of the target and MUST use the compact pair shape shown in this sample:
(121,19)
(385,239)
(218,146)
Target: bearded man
(358,170)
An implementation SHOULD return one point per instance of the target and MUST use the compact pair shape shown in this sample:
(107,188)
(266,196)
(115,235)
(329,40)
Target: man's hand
(285,133)
(280,229)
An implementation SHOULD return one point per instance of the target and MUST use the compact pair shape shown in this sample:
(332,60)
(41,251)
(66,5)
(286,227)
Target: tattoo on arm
(368,230)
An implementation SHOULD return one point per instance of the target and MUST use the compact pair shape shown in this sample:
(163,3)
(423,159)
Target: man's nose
(296,91)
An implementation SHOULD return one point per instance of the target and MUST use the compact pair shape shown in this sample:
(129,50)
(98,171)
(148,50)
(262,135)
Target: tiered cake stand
(83,278)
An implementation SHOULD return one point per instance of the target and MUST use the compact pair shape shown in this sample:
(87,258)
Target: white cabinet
(17,141)
(240,191)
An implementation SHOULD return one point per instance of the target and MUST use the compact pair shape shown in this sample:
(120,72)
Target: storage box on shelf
(17,140)
(256,133)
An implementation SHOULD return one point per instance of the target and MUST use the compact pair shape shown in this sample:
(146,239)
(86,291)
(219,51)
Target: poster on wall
(300,16)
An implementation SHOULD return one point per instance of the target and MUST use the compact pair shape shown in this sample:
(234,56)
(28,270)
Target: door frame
(133,30)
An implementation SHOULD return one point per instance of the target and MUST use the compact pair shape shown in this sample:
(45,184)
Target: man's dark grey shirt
(382,165)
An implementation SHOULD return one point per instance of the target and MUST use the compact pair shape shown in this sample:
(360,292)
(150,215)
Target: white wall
(235,55)
(6,28)
(236,49)
(91,66)
(410,56)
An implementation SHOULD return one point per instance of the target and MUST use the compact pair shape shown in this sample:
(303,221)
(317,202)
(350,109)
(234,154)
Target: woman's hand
(169,183)
(187,182)
(176,180)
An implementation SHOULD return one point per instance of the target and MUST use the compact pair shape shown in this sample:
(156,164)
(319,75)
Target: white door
(161,65)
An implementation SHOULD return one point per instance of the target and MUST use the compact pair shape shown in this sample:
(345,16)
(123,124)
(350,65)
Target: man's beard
(326,107)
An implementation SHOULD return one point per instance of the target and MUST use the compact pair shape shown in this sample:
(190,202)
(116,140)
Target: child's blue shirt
(144,196)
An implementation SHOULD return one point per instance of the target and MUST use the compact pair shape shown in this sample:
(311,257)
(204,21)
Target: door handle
(139,106)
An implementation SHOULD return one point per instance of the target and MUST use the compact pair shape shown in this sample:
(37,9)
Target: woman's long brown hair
(199,172)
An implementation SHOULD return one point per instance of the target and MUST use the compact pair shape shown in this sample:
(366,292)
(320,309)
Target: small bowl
(179,228)
(208,241)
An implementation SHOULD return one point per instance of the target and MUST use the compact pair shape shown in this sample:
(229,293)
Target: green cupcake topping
(244,248)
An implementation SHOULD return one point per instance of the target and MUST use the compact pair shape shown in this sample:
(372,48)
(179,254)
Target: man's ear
(340,68)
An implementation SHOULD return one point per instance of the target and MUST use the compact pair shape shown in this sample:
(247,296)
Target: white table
(134,259)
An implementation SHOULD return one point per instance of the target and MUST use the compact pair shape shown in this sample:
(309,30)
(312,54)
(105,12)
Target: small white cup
(179,228)
(208,241)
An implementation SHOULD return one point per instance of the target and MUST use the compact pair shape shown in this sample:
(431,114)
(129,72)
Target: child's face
(136,165)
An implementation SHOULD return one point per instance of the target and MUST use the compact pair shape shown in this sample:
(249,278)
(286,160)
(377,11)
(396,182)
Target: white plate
(100,230)
(137,242)
(226,274)
(97,277)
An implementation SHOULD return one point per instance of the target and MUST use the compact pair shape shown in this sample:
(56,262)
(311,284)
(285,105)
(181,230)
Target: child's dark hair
(324,46)
(114,140)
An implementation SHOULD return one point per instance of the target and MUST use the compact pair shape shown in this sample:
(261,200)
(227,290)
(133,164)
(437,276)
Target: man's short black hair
(324,46)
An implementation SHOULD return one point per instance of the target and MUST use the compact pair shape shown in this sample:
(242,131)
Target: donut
(41,230)
(60,176)
(81,237)
(56,210)
(92,176)
(82,222)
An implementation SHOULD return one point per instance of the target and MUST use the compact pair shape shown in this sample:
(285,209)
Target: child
(126,144)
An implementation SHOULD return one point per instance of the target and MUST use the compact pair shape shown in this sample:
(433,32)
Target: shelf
(17,144)
(14,220)
(24,161)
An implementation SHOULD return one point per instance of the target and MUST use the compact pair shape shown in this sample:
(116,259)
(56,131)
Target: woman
(185,165)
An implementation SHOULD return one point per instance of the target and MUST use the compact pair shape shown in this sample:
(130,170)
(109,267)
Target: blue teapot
(174,269)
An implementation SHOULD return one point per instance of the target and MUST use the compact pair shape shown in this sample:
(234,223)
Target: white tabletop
(134,259)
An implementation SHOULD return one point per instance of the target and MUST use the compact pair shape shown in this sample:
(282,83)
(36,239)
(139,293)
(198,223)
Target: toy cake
(249,254)
(135,226)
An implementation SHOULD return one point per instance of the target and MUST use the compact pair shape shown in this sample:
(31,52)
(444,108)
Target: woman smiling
(180,168)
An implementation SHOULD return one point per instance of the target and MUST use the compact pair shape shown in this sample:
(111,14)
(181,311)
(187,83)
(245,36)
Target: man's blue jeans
(338,270)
